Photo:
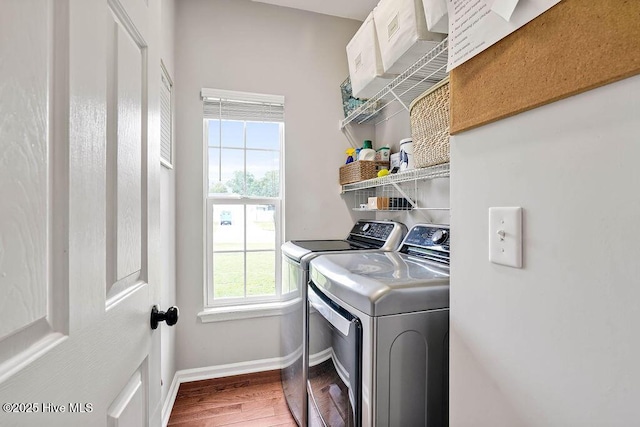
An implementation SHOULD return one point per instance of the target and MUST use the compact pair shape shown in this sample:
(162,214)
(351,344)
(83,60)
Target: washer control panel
(428,241)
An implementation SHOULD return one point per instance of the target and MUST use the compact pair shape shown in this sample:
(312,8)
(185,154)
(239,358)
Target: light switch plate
(505,236)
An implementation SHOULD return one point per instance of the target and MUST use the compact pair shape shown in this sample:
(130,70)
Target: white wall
(556,343)
(392,127)
(167,216)
(246,46)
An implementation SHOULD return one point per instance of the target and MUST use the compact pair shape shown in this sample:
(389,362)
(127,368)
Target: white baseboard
(209,372)
(170,400)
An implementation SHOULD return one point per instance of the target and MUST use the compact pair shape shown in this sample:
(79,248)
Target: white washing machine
(365,236)
(384,322)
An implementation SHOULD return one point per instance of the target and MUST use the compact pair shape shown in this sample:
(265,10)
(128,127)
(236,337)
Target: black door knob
(170,316)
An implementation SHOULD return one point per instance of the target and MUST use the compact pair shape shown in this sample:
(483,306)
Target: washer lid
(380,284)
(297,249)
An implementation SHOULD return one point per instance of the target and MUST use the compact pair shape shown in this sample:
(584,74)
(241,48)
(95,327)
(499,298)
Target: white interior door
(79,212)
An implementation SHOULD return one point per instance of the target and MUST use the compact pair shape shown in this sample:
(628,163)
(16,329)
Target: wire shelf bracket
(422,75)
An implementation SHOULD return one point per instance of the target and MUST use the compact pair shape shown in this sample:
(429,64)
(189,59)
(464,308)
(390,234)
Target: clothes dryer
(365,236)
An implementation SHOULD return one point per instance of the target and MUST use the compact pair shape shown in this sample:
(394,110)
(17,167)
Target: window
(243,140)
(166,127)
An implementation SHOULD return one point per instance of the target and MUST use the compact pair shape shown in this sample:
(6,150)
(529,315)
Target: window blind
(224,105)
(166,142)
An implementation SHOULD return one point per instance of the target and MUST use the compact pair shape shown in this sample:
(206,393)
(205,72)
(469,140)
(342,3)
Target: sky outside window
(227,157)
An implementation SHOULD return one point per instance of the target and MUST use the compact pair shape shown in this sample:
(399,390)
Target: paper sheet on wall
(475,25)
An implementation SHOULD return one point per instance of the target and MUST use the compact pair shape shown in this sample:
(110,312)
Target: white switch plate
(505,236)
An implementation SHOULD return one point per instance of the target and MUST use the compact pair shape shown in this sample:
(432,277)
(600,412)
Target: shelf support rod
(390,117)
(347,133)
(399,100)
(397,187)
(426,215)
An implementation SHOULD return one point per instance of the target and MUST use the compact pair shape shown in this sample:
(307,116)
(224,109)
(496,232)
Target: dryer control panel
(377,234)
(376,230)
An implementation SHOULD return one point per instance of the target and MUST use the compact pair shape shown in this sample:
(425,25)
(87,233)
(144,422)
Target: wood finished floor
(255,400)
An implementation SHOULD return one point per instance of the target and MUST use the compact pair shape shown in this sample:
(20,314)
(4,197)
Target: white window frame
(164,73)
(269,305)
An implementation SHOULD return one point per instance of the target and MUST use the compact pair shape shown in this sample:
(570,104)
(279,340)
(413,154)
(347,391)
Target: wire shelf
(426,72)
(438,171)
(388,198)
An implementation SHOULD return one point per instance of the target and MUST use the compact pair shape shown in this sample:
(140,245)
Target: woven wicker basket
(430,126)
(360,170)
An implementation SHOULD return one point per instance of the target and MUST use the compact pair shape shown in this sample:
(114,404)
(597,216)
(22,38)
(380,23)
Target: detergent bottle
(367,152)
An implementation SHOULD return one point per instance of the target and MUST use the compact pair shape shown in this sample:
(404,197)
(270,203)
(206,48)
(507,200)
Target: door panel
(27,285)
(129,157)
(126,59)
(129,409)
(79,217)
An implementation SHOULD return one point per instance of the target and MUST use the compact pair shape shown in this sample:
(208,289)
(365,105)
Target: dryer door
(292,328)
(335,363)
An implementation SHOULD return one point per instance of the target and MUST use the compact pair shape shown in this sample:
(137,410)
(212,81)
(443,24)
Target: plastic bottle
(383,153)
(367,152)
(406,154)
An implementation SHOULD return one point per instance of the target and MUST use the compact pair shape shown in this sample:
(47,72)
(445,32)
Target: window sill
(247,311)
